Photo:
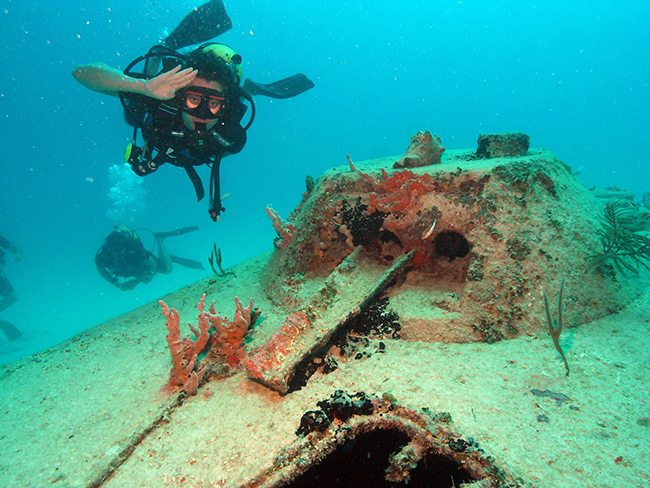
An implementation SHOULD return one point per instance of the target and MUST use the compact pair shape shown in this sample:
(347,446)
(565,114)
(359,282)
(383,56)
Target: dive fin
(10,330)
(188,263)
(286,88)
(177,232)
(200,25)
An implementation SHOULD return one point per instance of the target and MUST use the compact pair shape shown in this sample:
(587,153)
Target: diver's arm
(112,279)
(108,276)
(234,133)
(102,78)
(238,139)
(18,253)
(128,285)
(5,243)
(11,247)
(103,270)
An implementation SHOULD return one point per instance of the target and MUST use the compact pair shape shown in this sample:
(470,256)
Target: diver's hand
(164,86)
(18,254)
(128,285)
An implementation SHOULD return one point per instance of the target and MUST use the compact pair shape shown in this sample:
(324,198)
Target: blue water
(575,78)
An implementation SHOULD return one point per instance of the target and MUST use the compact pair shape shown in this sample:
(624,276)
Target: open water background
(573,75)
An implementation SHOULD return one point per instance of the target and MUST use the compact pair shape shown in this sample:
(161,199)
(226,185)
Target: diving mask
(202,102)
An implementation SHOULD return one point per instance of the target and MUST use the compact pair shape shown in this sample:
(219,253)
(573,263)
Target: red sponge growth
(223,338)
(268,357)
(398,195)
(227,339)
(185,374)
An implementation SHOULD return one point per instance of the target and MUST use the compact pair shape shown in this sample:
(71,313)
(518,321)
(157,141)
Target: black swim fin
(10,330)
(177,232)
(200,25)
(286,88)
(188,263)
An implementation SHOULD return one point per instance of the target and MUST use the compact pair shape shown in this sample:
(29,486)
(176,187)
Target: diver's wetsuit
(168,140)
(5,287)
(130,260)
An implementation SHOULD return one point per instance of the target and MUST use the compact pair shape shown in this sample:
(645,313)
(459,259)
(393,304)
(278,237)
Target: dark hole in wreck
(451,245)
(362,462)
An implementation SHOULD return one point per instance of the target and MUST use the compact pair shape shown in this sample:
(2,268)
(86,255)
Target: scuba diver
(188,107)
(9,295)
(124,262)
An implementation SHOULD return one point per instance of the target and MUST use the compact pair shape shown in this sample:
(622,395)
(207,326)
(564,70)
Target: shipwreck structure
(384,309)
(461,250)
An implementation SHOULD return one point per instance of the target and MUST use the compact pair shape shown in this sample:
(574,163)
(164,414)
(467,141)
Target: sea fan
(624,247)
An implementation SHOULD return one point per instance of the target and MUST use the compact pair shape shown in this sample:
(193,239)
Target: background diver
(189,107)
(124,262)
(9,295)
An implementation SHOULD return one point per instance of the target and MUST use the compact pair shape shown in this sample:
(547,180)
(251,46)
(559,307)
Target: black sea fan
(624,247)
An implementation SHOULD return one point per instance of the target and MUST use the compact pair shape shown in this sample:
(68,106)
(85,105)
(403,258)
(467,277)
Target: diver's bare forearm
(103,79)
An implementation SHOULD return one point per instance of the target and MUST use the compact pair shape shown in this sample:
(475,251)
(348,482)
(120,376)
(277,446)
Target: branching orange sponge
(185,375)
(286,231)
(223,338)
(227,338)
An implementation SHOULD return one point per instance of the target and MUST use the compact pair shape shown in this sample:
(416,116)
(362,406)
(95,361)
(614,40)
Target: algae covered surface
(62,431)
(469,343)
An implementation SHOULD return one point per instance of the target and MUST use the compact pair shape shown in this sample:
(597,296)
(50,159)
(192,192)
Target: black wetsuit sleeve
(103,267)
(230,129)
(237,136)
(5,243)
